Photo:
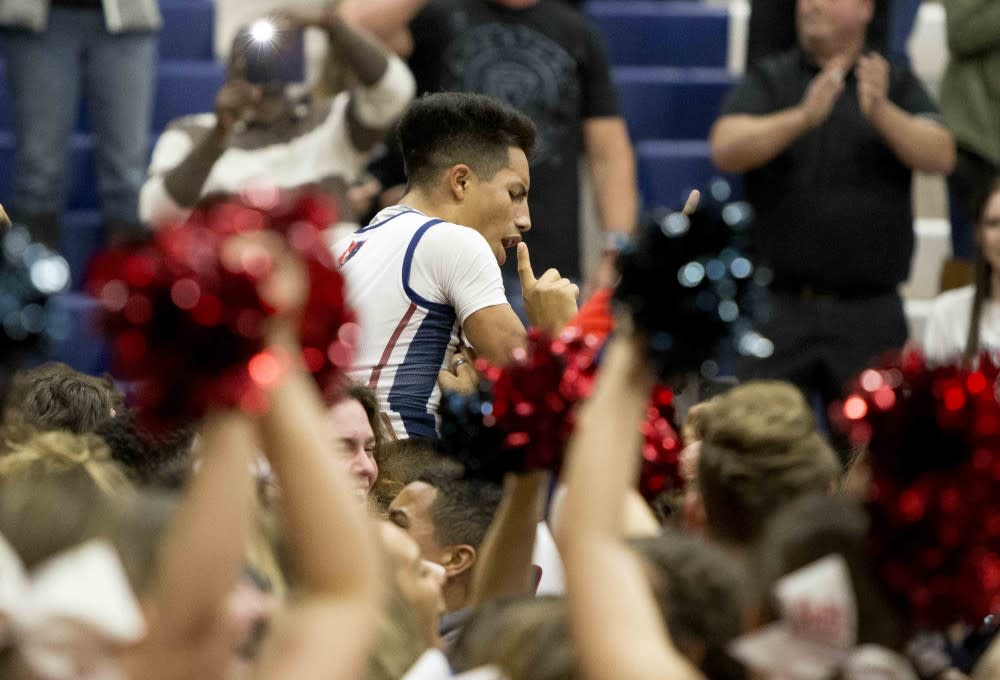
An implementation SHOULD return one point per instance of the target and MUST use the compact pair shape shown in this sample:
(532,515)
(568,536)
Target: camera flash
(262,31)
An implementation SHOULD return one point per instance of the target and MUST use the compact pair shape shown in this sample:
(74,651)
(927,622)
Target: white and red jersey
(413,281)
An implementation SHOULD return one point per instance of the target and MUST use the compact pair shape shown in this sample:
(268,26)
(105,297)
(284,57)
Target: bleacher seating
(669,60)
(661,102)
(658,33)
(188,78)
(669,63)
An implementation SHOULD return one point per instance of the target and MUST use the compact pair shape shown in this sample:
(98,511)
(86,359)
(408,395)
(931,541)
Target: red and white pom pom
(186,318)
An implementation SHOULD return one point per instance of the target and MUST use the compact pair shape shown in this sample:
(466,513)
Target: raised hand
(549,301)
(823,92)
(233,104)
(691,204)
(872,73)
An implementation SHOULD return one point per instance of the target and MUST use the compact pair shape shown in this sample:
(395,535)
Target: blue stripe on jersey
(416,377)
(408,262)
(379,224)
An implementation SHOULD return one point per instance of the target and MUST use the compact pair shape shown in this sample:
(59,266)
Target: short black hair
(439,130)
(463,509)
(402,461)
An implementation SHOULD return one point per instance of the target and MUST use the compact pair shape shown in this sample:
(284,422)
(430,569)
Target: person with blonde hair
(180,623)
(53,452)
(760,450)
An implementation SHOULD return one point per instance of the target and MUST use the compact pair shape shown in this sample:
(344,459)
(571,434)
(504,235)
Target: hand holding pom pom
(203,315)
(520,417)
(933,448)
(687,284)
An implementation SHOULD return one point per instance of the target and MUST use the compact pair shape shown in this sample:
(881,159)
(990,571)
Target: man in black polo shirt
(828,138)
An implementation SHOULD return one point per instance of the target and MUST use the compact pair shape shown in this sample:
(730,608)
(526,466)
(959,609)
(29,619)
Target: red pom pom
(933,437)
(530,412)
(186,319)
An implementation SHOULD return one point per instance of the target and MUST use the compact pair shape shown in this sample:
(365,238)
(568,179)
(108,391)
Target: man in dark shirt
(828,138)
(542,58)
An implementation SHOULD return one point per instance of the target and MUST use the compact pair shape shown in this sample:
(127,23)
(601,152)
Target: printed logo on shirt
(351,251)
(524,69)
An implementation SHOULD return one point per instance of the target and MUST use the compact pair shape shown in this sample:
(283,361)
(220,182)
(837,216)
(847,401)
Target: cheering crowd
(425,448)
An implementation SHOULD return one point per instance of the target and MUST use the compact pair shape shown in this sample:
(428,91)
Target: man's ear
(459,559)
(460,176)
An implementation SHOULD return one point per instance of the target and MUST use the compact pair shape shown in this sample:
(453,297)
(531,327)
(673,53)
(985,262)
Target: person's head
(699,590)
(830,27)
(55,397)
(356,421)
(761,450)
(402,461)
(448,517)
(160,459)
(401,639)
(987,260)
(49,453)
(809,529)
(68,495)
(468,154)
(418,581)
(260,59)
(692,511)
(527,638)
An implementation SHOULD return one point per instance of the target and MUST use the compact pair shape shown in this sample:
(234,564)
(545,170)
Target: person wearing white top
(426,274)
(966,321)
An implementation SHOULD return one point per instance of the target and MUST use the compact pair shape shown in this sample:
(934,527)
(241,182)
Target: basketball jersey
(413,281)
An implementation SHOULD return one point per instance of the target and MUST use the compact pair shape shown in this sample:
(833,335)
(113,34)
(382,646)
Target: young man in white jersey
(426,273)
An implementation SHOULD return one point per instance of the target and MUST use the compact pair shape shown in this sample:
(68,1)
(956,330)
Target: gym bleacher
(673,62)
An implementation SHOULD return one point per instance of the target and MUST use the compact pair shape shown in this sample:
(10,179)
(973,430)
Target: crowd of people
(838,513)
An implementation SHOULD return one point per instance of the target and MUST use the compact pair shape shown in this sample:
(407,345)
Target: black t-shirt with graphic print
(833,210)
(547,62)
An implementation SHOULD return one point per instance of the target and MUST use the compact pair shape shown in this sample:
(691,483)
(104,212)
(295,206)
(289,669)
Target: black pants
(822,342)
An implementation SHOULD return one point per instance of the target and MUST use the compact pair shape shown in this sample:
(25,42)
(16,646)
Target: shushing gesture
(872,73)
(550,300)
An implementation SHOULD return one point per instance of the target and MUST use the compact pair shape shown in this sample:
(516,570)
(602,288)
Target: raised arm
(618,631)
(329,632)
(203,550)
(742,142)
(549,303)
(385,86)
(181,164)
(387,20)
(503,567)
(919,143)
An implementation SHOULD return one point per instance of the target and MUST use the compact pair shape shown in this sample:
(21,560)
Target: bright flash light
(263,31)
